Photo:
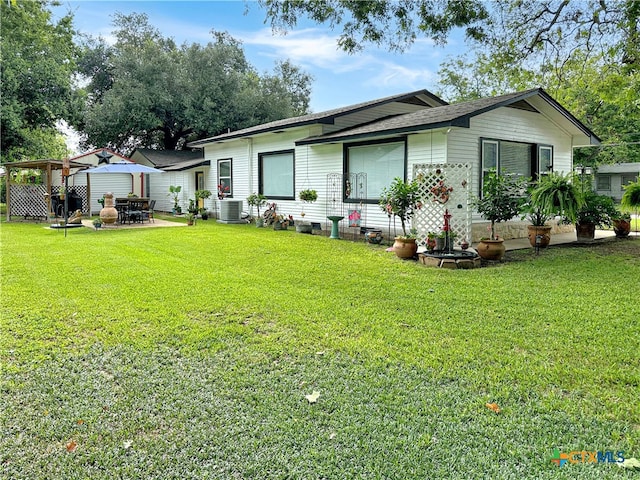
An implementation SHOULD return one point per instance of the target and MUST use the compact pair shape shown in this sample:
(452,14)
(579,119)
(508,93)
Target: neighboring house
(186,168)
(610,179)
(411,135)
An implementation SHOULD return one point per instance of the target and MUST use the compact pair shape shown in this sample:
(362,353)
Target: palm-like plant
(557,194)
(631,197)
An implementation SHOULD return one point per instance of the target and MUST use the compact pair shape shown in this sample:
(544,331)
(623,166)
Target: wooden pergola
(47,165)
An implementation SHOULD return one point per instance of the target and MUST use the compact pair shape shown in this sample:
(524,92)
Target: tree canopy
(38,62)
(586,53)
(147,91)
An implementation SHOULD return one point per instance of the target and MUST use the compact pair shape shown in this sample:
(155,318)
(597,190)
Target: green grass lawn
(187,353)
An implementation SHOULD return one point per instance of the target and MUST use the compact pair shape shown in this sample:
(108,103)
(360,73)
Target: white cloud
(309,46)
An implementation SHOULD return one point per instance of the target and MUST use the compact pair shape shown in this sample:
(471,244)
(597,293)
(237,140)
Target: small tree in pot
(402,199)
(257,200)
(596,211)
(502,199)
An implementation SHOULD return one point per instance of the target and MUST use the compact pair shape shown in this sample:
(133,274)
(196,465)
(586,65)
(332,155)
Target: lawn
(182,353)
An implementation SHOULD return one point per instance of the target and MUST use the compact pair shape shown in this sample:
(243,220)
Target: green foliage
(502,198)
(38,61)
(556,194)
(597,209)
(401,199)
(174,192)
(631,197)
(173,379)
(393,24)
(308,196)
(147,91)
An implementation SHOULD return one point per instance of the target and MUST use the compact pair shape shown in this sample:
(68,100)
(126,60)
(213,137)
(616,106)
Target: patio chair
(123,210)
(135,212)
(148,212)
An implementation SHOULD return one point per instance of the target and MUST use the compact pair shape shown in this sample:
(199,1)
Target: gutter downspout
(250,163)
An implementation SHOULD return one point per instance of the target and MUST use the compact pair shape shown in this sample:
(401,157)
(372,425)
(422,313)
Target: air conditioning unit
(230,210)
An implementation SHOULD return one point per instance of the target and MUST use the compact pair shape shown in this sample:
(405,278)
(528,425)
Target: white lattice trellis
(444,187)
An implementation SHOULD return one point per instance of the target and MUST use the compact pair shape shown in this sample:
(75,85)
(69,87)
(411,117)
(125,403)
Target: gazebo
(31,200)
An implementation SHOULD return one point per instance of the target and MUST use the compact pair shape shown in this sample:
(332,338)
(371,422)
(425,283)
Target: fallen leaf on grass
(71,446)
(493,407)
(127,444)
(313,398)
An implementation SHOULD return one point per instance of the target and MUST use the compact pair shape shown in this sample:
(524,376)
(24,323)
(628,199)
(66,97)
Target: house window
(627,179)
(381,162)
(525,160)
(276,173)
(224,177)
(545,159)
(603,182)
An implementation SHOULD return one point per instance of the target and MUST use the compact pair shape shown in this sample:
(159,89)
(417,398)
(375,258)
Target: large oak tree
(146,91)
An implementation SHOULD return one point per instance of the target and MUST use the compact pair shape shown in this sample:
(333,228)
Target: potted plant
(281,222)
(97,223)
(631,198)
(174,192)
(223,191)
(202,195)
(556,195)
(595,211)
(257,200)
(539,232)
(502,199)
(191,218)
(307,196)
(204,214)
(402,199)
(621,224)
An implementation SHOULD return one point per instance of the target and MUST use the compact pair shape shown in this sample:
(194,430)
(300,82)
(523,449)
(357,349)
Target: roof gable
(422,99)
(457,115)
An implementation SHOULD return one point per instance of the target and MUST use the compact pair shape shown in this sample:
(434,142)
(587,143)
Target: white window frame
(226,180)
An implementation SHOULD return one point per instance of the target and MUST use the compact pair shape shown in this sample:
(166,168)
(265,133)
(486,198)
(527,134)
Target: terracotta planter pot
(585,232)
(622,228)
(545,235)
(491,249)
(405,247)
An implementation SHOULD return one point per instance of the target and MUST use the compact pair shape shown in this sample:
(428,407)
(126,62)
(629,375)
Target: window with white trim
(276,175)
(526,160)
(545,159)
(225,180)
(381,162)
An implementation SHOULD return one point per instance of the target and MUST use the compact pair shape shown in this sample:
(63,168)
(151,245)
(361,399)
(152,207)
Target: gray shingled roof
(326,117)
(458,114)
(166,158)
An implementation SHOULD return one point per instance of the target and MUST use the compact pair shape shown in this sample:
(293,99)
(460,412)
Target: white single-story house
(186,168)
(348,155)
(610,179)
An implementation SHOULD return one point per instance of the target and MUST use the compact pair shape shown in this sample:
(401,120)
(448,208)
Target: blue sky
(339,79)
